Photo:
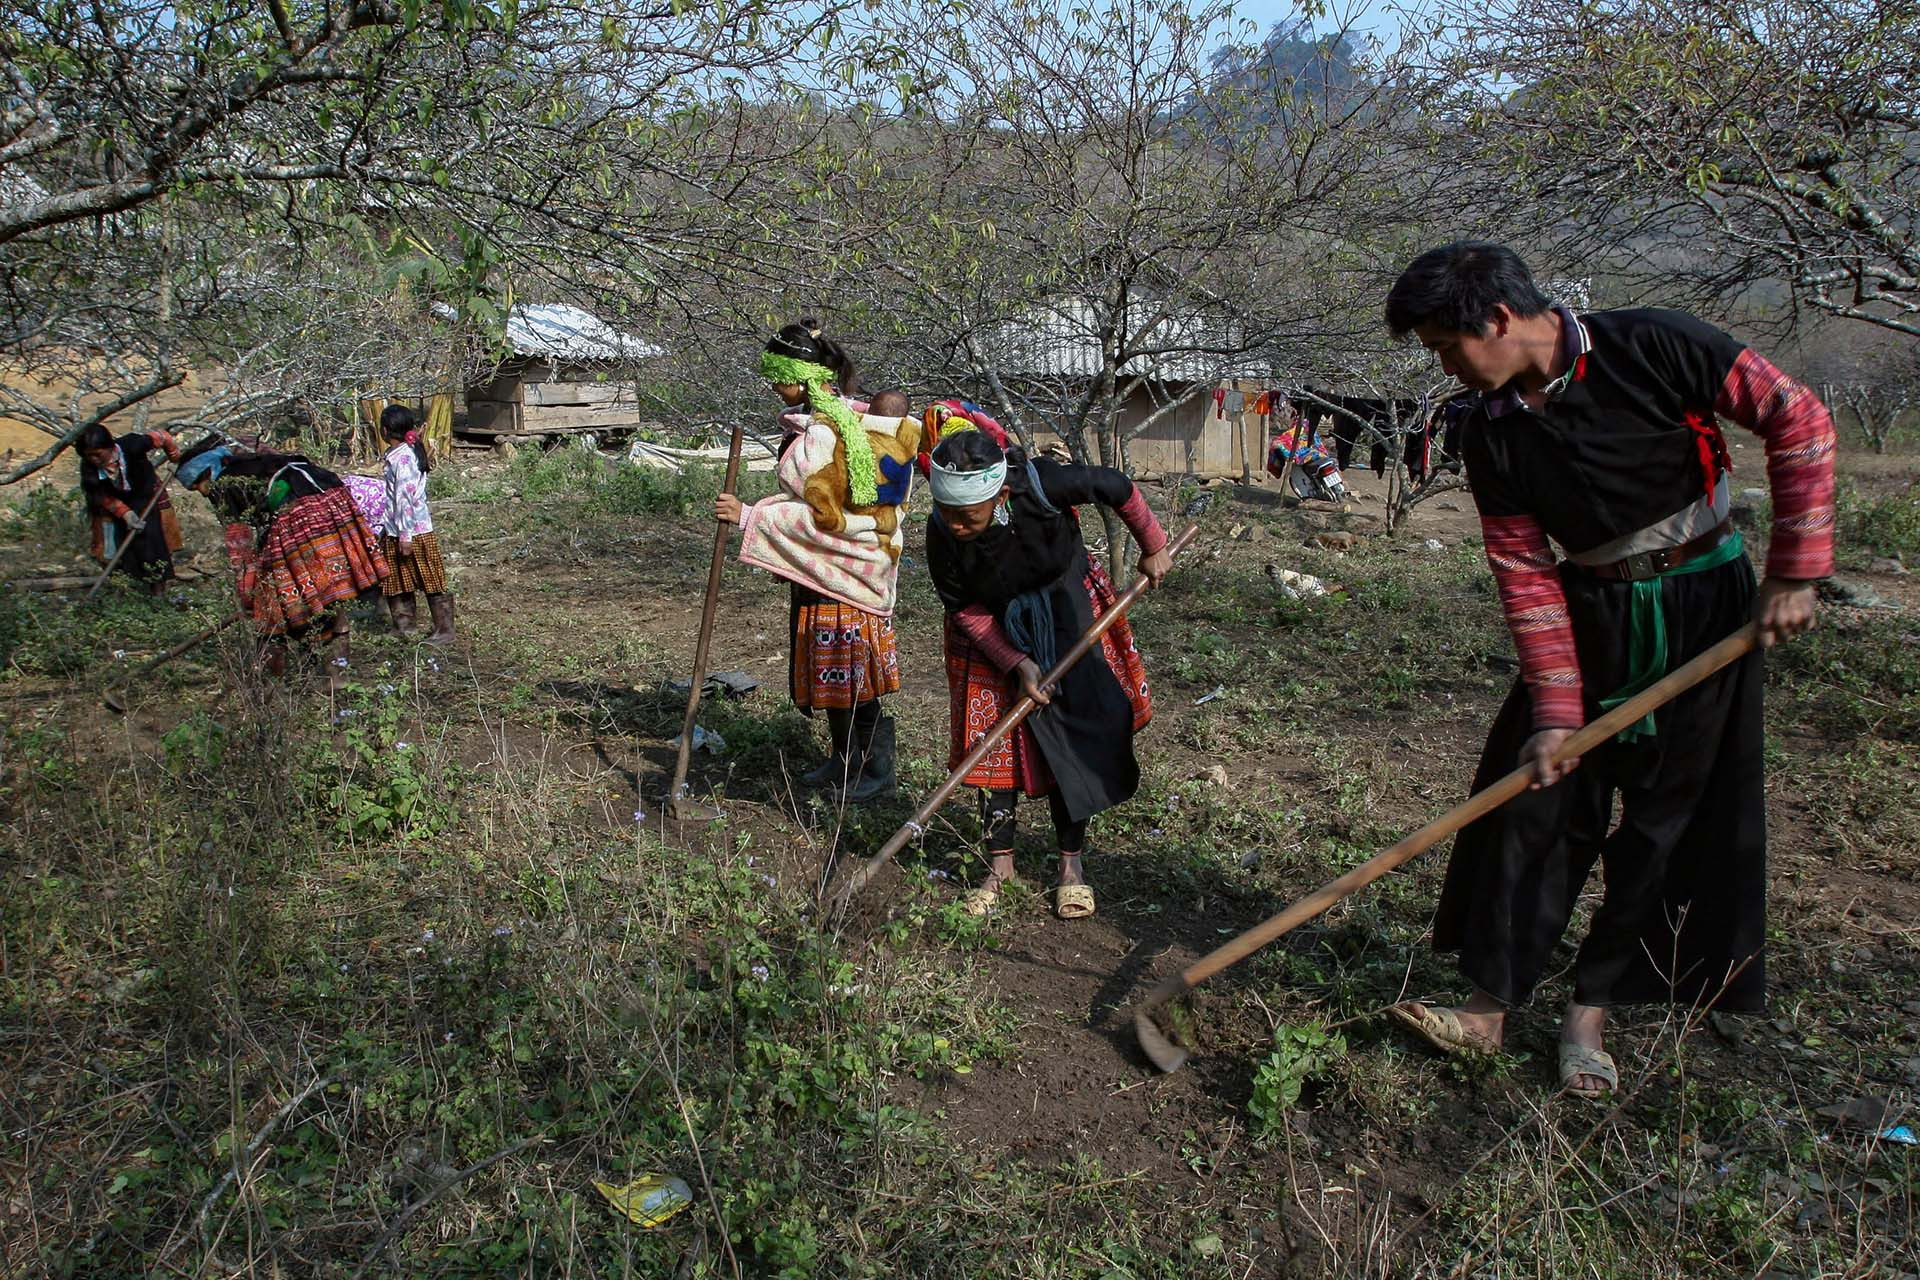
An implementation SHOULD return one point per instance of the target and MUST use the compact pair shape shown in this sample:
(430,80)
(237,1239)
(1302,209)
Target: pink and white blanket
(778,533)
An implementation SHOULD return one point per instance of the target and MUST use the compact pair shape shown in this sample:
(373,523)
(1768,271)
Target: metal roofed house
(566,370)
(1170,416)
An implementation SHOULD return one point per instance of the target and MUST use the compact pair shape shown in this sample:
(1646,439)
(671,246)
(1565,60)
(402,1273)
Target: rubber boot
(401,610)
(876,765)
(836,768)
(442,608)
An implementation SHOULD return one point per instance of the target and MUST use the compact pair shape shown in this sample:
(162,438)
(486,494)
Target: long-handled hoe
(1169,1056)
(682,807)
(1020,710)
(115,697)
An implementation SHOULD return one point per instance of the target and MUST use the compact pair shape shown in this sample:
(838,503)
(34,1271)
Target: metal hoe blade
(682,807)
(1155,1043)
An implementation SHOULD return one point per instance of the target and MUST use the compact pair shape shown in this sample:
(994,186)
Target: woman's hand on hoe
(727,509)
(1030,677)
(1154,567)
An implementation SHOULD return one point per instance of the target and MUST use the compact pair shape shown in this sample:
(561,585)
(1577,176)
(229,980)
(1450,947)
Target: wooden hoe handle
(706,627)
(914,825)
(1730,650)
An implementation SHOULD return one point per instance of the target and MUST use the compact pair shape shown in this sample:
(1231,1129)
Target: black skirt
(1085,732)
(1683,914)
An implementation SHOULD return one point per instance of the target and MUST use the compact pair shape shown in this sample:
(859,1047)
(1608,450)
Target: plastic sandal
(1441,1027)
(1073,901)
(1578,1060)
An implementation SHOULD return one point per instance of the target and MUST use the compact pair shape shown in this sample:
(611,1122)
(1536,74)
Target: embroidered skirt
(979,693)
(842,656)
(421,569)
(317,553)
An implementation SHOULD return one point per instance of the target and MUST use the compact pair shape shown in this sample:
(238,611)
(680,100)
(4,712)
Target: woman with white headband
(1007,558)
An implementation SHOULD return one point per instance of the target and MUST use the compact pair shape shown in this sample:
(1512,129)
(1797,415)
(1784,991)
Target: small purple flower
(938,874)
(340,662)
(639,815)
(402,746)
(501,931)
(749,859)
(119,655)
(427,936)
(761,972)
(771,882)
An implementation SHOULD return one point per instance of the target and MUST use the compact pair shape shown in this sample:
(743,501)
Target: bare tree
(1741,151)
(183,189)
(1088,223)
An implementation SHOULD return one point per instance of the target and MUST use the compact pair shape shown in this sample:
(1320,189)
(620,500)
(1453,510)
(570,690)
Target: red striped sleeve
(981,627)
(114,507)
(1799,437)
(1140,521)
(164,440)
(1536,609)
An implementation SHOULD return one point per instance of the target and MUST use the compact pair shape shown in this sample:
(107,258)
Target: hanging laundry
(1219,402)
(1236,403)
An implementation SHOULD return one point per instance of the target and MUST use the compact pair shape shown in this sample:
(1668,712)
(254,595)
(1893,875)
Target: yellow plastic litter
(649,1199)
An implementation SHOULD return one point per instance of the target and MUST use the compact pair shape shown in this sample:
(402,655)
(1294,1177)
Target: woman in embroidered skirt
(1009,563)
(407,539)
(299,547)
(842,581)
(119,479)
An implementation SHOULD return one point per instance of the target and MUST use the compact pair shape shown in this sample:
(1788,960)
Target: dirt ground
(1080,1084)
(1337,725)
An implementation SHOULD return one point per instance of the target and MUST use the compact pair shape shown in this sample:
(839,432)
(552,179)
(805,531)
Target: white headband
(964,488)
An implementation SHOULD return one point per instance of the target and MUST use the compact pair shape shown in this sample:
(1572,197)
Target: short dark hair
(1457,286)
(890,404)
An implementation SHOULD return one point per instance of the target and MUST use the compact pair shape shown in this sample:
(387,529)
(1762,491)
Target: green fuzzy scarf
(863,484)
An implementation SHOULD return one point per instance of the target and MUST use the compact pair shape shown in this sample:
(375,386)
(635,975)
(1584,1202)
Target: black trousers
(997,814)
(1683,913)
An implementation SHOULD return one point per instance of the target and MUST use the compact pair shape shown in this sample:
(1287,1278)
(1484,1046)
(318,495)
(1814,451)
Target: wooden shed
(568,370)
(1054,350)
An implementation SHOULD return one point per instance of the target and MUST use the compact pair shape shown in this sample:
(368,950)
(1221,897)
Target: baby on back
(895,437)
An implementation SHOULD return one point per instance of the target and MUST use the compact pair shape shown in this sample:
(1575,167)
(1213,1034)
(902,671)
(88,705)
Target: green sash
(1647,632)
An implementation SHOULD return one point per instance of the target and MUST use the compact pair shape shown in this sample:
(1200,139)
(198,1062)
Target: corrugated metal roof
(556,331)
(1061,339)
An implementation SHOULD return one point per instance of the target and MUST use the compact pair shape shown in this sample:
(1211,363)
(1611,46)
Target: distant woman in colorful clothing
(119,479)
(411,547)
(299,547)
(1009,563)
(842,578)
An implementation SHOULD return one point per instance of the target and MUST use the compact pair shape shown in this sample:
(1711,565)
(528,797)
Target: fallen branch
(246,1159)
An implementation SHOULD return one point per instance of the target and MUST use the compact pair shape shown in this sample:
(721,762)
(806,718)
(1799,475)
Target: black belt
(1648,564)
